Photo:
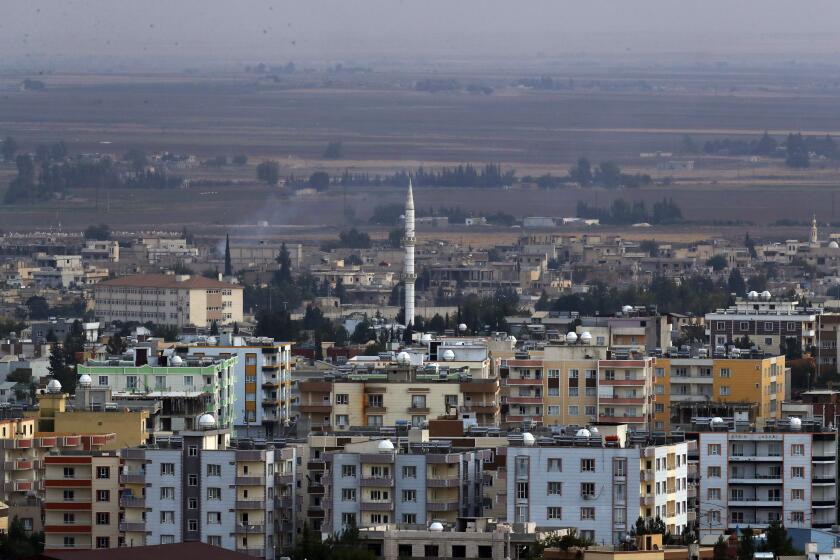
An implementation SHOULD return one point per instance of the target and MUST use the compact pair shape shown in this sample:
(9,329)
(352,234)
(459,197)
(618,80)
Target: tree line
(622,212)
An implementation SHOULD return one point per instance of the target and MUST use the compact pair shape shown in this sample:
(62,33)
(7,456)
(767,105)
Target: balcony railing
(245,529)
(133,527)
(250,504)
(132,502)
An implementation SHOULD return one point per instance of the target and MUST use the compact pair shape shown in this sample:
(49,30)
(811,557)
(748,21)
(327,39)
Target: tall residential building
(262,381)
(751,388)
(81,506)
(767,323)
(598,483)
(168,299)
(368,484)
(787,473)
(395,394)
(196,487)
(186,388)
(577,383)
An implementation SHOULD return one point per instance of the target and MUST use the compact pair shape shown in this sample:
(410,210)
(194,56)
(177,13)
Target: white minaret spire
(814,241)
(409,276)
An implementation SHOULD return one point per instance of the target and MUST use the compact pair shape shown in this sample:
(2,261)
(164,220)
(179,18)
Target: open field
(385,125)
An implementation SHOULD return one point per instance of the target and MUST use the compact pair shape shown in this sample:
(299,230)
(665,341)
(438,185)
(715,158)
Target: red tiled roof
(178,551)
(168,281)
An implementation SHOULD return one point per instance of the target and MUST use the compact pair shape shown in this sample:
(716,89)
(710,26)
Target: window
(348,494)
(348,519)
(160,382)
(573,392)
(587,465)
(609,375)
(587,513)
(660,372)
(214,493)
(103,495)
(553,373)
(797,494)
(342,398)
(192,480)
(714,516)
(188,381)
(659,389)
(167,493)
(167,469)
(103,380)
(713,472)
(590,410)
(522,466)
(574,410)
(659,408)
(342,419)
(620,467)
(555,488)
(554,513)
(417,421)
(409,495)
(192,524)
(418,401)
(214,470)
(587,490)
(555,464)
(374,420)
(797,449)
(167,517)
(69,542)
(103,542)
(521,490)
(192,503)
(348,471)
(797,472)
(103,518)
(192,451)
(554,411)
(797,516)
(167,539)
(69,518)
(713,494)
(620,515)
(69,495)
(69,472)
(725,372)
(725,391)
(214,518)
(214,540)
(409,518)
(375,401)
(409,471)
(713,449)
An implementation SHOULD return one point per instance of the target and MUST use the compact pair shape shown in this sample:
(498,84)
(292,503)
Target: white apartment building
(168,299)
(262,381)
(754,478)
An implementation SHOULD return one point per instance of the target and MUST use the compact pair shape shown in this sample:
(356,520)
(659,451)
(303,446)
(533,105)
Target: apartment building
(787,473)
(688,387)
(168,299)
(186,388)
(370,483)
(101,251)
(396,394)
(577,383)
(81,504)
(262,381)
(766,322)
(196,487)
(599,483)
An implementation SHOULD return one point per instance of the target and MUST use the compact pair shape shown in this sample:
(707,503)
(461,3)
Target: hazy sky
(275,30)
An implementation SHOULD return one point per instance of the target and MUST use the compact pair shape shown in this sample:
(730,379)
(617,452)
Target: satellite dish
(436,527)
(385,446)
(206,421)
(571,338)
(528,439)
(403,358)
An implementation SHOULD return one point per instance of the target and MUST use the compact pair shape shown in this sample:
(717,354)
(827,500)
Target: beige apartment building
(82,506)
(168,299)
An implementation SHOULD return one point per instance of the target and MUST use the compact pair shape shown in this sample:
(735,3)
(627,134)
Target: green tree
(136,160)
(116,345)
(333,150)
(51,337)
(284,269)
(9,148)
(268,172)
(214,328)
(168,333)
(228,263)
(777,540)
(746,545)
(395,238)
(582,172)
(717,262)
(796,152)
(736,283)
(721,551)
(38,308)
(320,181)
(59,369)
(16,543)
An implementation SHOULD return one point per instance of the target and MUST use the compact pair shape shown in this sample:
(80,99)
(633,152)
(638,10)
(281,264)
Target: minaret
(408,276)
(814,239)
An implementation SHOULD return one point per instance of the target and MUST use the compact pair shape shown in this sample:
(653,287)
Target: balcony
(480,386)
(754,458)
(380,481)
(622,400)
(371,409)
(382,505)
(754,502)
(133,454)
(271,384)
(511,381)
(442,506)
(649,500)
(314,408)
(315,489)
(136,478)
(249,504)
(315,386)
(132,502)
(22,465)
(284,478)
(246,529)
(823,480)
(647,474)
(443,483)
(252,552)
(133,527)
(756,479)
(274,402)
(524,400)
(621,419)
(250,481)
(418,409)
